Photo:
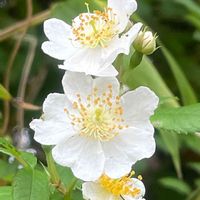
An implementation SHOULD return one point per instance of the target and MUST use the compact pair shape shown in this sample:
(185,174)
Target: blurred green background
(173,72)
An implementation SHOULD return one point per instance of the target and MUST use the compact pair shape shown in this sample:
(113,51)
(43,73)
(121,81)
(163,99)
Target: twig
(19,26)
(10,65)
(39,79)
(24,78)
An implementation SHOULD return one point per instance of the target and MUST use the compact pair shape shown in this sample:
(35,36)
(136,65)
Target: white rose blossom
(125,188)
(94,130)
(94,40)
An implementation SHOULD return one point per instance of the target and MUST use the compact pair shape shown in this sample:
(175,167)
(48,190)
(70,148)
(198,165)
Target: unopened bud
(145,42)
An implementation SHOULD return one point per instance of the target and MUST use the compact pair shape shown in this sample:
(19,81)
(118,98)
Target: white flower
(105,188)
(94,40)
(93,129)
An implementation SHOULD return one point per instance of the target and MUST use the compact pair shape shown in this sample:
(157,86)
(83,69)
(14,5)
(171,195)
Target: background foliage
(172,72)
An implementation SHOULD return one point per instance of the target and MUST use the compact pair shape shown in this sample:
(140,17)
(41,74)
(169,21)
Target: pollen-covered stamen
(97,28)
(100,116)
(120,187)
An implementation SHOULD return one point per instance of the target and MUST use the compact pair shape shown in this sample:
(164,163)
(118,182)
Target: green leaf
(30,185)
(77,195)
(6,193)
(146,74)
(26,159)
(4,94)
(171,141)
(195,166)
(29,158)
(192,141)
(68,10)
(187,92)
(193,20)
(181,120)
(56,196)
(191,6)
(7,170)
(7,148)
(65,174)
(176,185)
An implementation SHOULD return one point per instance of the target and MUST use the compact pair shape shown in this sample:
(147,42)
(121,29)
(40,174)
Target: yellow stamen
(121,186)
(97,28)
(99,116)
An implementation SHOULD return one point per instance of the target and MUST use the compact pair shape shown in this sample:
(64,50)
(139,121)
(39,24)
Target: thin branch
(24,78)
(19,26)
(10,65)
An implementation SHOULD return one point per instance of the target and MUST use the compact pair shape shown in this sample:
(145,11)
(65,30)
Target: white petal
(136,143)
(139,105)
(124,9)
(50,132)
(91,61)
(128,38)
(102,84)
(138,184)
(83,155)
(54,106)
(117,162)
(57,30)
(94,61)
(108,71)
(120,45)
(93,191)
(77,83)
(86,60)
(58,51)
(59,34)
(110,53)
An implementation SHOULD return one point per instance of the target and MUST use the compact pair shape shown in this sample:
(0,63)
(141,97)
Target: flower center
(99,116)
(120,187)
(97,28)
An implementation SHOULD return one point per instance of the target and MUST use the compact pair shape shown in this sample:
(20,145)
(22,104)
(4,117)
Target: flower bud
(145,42)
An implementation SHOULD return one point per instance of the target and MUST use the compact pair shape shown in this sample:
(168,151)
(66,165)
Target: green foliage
(192,141)
(195,166)
(56,196)
(172,143)
(175,184)
(191,6)
(6,193)
(26,159)
(4,94)
(29,158)
(181,120)
(146,74)
(68,10)
(30,185)
(7,170)
(187,92)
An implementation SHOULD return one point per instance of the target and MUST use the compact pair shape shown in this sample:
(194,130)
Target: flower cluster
(95,130)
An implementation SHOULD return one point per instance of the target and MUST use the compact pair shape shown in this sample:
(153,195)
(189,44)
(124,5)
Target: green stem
(22,161)
(55,179)
(51,166)
(70,188)
(136,59)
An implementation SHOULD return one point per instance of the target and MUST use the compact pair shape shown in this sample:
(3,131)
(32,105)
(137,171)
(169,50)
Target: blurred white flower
(125,188)
(94,40)
(94,130)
